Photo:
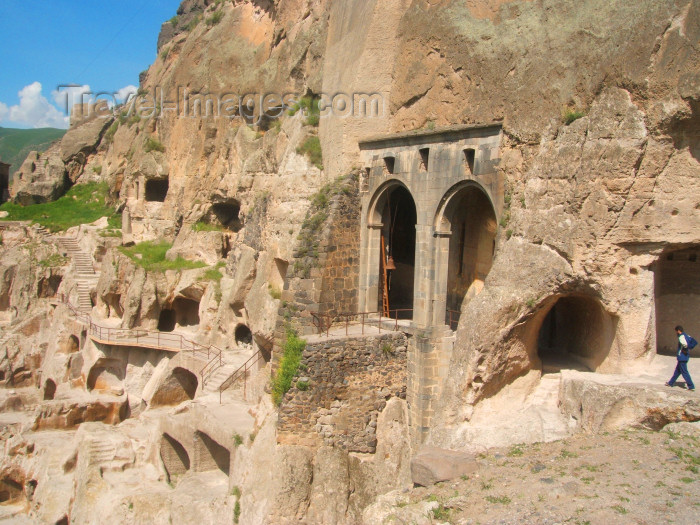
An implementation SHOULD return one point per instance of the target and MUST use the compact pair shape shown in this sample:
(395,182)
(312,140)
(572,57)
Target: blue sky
(103,45)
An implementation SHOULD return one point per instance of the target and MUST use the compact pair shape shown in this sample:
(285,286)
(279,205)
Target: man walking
(682,354)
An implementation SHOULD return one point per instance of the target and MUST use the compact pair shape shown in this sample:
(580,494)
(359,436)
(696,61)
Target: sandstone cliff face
(591,206)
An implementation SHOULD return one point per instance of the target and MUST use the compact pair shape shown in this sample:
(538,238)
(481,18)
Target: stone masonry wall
(349,382)
(324,276)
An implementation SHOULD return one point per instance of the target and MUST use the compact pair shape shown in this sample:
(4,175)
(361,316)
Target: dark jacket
(683,354)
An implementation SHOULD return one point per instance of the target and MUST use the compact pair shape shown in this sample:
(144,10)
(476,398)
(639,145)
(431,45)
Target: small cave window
(157,190)
(389,164)
(424,158)
(49,390)
(469,156)
(243,335)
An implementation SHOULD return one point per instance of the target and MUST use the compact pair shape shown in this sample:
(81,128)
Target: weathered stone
(432,465)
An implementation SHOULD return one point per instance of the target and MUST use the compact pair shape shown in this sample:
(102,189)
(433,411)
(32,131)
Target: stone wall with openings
(341,388)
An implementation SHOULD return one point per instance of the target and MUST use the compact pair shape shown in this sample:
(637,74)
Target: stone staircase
(221,374)
(86,276)
(101,452)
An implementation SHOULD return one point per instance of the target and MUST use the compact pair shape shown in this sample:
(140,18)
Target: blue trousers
(682,369)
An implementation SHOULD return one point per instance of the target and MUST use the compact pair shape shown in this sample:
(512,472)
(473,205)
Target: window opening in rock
(156,190)
(49,390)
(186,311)
(424,158)
(166,320)
(389,164)
(243,335)
(469,155)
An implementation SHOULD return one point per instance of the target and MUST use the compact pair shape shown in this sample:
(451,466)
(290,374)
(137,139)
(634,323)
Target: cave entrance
(166,320)
(398,239)
(175,458)
(471,220)
(157,189)
(676,296)
(228,214)
(180,385)
(576,333)
(243,335)
(107,375)
(186,311)
(210,455)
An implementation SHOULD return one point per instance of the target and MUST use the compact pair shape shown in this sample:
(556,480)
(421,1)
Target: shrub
(164,54)
(174,21)
(312,149)
(153,144)
(571,115)
(201,226)
(237,511)
(97,170)
(54,260)
(237,440)
(215,18)
(289,364)
(193,23)
(303,385)
(109,134)
(275,292)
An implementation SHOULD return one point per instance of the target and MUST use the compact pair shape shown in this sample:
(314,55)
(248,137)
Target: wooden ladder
(385,283)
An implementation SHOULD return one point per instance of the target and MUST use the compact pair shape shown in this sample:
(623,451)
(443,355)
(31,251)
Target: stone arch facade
(435,168)
(209,454)
(179,386)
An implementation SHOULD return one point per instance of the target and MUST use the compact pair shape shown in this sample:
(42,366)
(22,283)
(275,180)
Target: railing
(242,371)
(323,322)
(153,339)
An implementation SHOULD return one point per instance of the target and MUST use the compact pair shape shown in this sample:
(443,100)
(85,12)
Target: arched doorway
(243,335)
(466,228)
(210,455)
(175,458)
(397,248)
(49,389)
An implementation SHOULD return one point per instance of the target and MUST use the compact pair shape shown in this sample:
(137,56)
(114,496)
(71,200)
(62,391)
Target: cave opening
(228,214)
(576,333)
(175,458)
(676,296)
(243,335)
(210,455)
(157,189)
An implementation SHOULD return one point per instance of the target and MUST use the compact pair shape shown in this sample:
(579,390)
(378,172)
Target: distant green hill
(15,144)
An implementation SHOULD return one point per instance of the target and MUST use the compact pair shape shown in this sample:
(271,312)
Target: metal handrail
(164,340)
(323,322)
(241,371)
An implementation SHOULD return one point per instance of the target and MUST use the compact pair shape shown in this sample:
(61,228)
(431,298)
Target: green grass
(289,364)
(153,144)
(54,261)
(572,115)
(237,511)
(275,292)
(516,450)
(215,18)
(237,440)
(151,256)
(503,500)
(15,144)
(312,149)
(214,274)
(441,513)
(82,204)
(202,226)
(310,106)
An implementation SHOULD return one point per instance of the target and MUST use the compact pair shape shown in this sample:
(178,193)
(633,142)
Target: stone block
(432,465)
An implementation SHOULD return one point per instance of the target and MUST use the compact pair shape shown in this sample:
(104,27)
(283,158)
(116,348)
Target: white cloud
(67,97)
(33,110)
(124,93)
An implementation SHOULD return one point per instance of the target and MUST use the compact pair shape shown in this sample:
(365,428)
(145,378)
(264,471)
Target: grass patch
(151,256)
(82,204)
(237,511)
(310,106)
(213,274)
(153,144)
(516,450)
(275,292)
(312,149)
(55,260)
(619,509)
(566,454)
(503,500)
(441,513)
(202,226)
(572,115)
(215,18)
(289,364)
(303,385)
(237,440)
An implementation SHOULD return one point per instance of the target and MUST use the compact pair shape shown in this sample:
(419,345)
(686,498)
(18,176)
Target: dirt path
(635,477)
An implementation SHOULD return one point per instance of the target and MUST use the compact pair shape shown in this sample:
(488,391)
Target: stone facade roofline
(421,136)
